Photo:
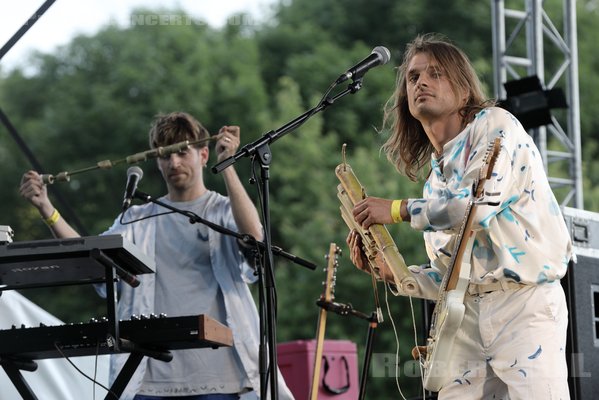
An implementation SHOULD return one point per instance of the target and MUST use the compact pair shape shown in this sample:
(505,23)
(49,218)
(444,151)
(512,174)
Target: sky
(66,18)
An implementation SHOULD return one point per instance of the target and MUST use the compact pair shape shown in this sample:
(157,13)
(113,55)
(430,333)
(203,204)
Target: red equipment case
(338,372)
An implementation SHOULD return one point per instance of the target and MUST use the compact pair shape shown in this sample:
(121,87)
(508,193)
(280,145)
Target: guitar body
(447,319)
(450,309)
(439,348)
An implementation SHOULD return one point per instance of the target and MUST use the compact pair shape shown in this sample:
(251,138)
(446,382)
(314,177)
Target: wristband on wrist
(52,219)
(396,211)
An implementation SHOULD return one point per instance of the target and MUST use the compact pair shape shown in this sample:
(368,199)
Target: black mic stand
(245,239)
(373,322)
(266,276)
(266,248)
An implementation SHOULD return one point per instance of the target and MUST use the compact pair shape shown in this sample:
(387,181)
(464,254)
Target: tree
(94,100)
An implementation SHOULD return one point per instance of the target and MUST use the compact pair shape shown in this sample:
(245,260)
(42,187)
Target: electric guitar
(327,296)
(449,308)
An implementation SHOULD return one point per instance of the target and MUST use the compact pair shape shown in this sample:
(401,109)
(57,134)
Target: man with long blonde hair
(511,341)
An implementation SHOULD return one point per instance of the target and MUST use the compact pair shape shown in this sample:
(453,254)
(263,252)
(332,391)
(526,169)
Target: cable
(142,218)
(83,373)
(96,367)
(416,344)
(396,342)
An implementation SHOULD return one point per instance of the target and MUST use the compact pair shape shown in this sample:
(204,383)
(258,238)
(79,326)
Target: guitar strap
(467,258)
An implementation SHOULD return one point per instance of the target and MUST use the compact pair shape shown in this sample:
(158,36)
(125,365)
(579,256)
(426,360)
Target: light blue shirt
(522,239)
(230,269)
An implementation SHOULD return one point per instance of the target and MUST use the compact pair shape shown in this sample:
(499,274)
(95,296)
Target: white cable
(396,343)
(416,344)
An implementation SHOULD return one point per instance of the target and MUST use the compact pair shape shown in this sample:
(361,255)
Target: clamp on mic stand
(260,150)
(345,310)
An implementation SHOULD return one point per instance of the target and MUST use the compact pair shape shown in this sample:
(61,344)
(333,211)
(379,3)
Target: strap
(474,289)
(329,389)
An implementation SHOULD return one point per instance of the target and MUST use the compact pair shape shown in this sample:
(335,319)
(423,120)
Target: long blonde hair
(408,147)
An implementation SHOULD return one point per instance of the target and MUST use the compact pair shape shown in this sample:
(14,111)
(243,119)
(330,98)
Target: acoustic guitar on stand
(327,297)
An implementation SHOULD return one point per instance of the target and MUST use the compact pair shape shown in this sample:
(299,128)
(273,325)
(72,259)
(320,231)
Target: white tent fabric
(54,379)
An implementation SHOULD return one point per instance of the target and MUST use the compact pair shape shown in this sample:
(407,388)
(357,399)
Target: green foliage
(94,100)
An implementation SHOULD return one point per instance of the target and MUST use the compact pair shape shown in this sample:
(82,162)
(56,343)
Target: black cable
(83,373)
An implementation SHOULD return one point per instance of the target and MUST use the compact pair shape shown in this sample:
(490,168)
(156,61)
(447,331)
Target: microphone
(380,55)
(134,175)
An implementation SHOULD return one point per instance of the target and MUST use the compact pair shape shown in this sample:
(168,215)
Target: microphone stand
(373,322)
(259,151)
(245,239)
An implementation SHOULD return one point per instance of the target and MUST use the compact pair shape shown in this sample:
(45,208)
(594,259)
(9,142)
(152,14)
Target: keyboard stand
(12,369)
(12,366)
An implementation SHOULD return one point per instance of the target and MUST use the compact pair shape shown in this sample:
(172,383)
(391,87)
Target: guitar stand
(373,322)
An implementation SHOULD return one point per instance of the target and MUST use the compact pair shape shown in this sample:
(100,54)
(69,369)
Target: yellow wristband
(396,211)
(51,220)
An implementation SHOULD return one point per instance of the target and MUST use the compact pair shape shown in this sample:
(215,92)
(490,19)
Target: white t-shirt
(186,285)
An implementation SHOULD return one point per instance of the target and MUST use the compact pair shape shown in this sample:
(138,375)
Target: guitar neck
(453,272)
(322,321)
(456,262)
(322,318)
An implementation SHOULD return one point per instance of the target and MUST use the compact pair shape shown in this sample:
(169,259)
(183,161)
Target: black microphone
(380,55)
(134,175)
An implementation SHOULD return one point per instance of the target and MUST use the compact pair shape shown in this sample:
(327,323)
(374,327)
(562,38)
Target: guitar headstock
(331,272)
(489,160)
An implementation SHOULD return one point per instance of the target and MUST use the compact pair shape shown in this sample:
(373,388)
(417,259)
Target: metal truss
(530,29)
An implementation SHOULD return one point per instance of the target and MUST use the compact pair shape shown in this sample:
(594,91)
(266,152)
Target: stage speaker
(581,285)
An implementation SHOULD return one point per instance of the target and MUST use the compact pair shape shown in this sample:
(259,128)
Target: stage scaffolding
(530,29)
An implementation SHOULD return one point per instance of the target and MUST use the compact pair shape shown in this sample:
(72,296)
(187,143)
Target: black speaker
(581,285)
